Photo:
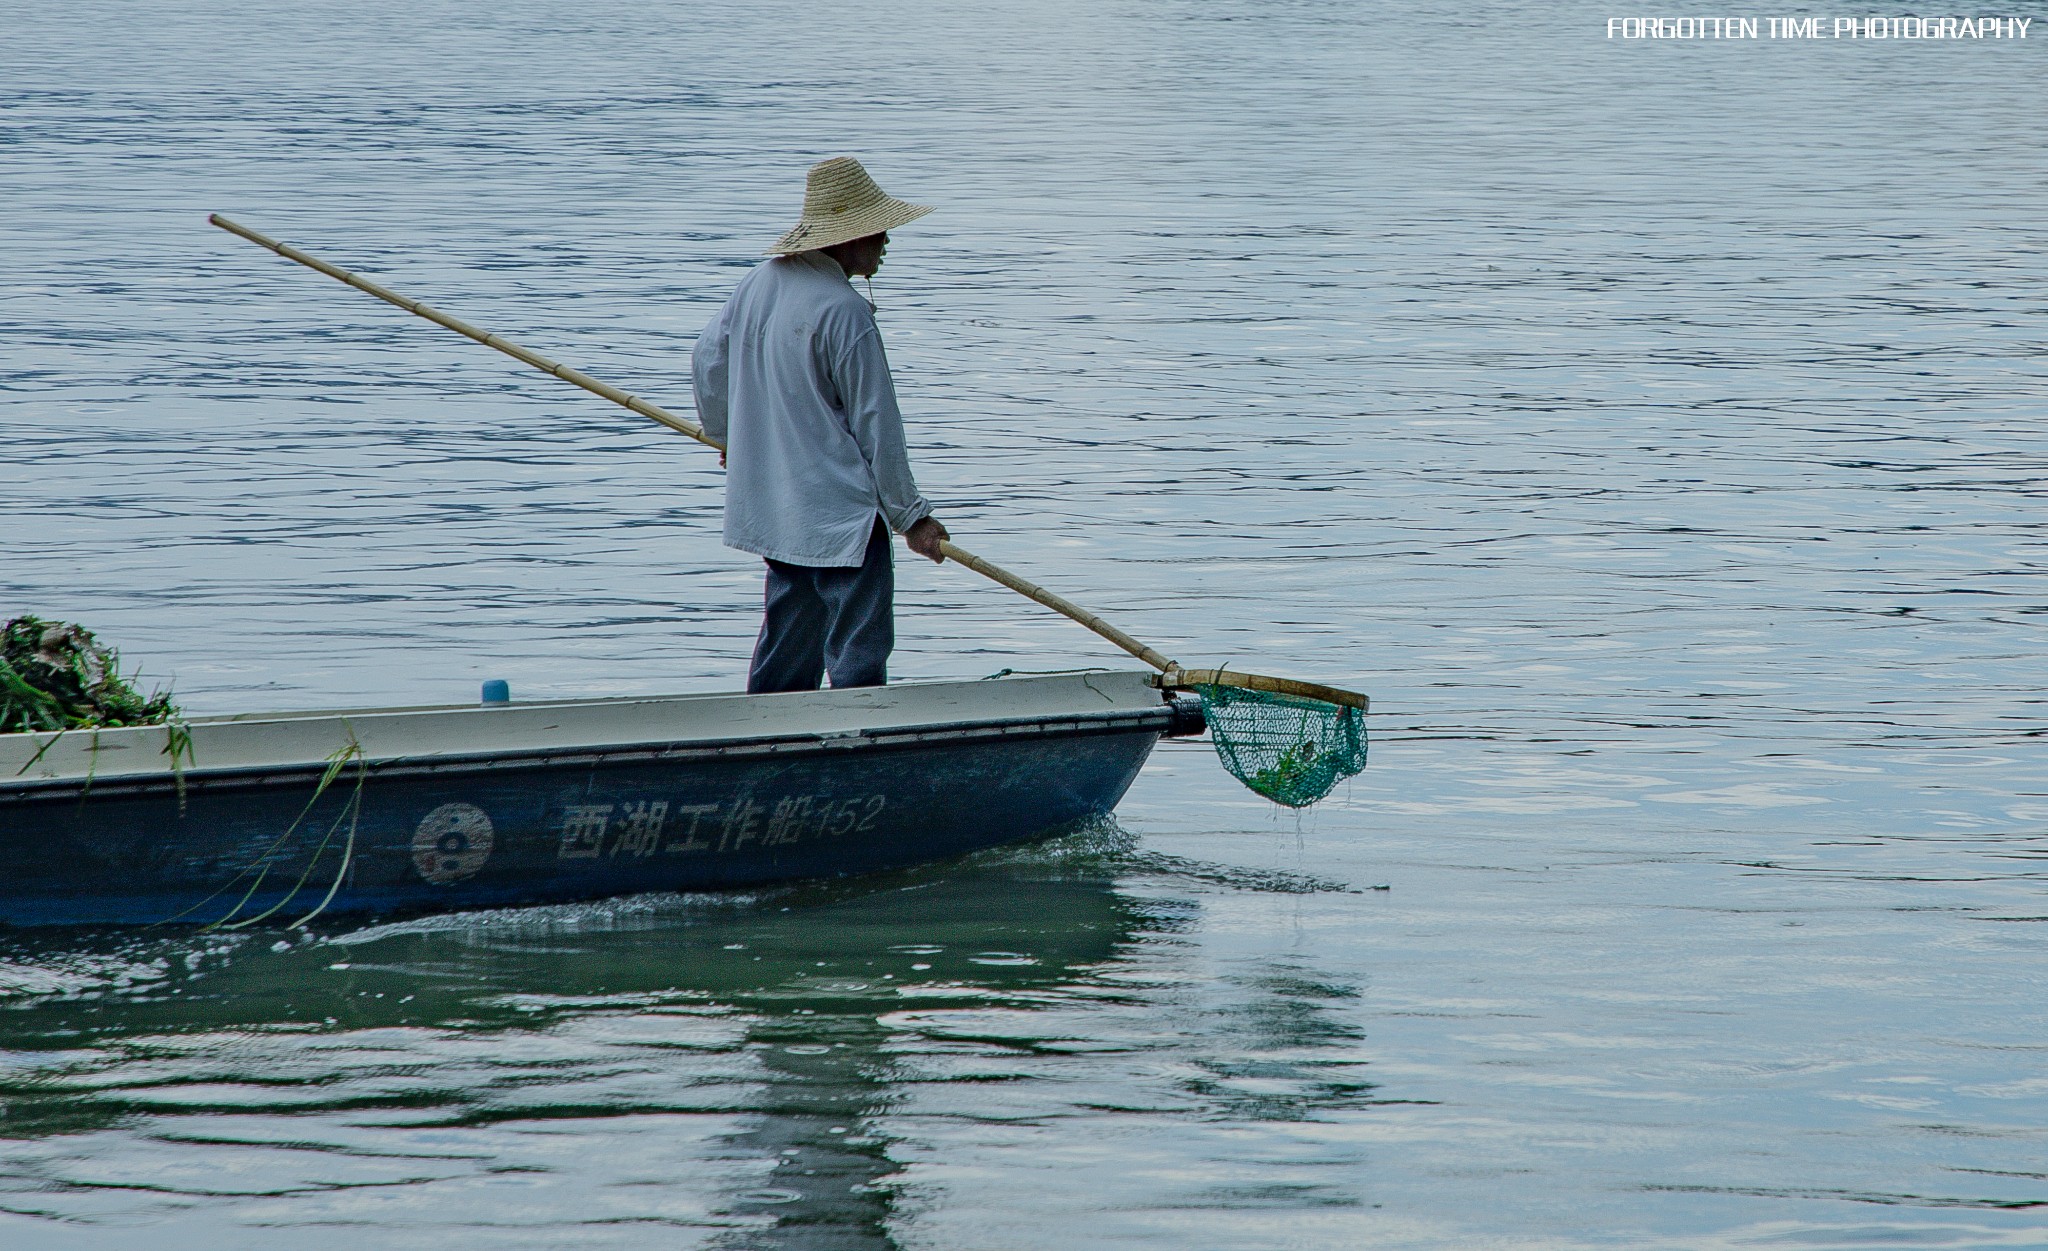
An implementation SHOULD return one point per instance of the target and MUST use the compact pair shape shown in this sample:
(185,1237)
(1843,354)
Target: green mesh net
(1289,749)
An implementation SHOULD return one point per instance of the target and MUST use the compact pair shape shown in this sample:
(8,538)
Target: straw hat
(841,204)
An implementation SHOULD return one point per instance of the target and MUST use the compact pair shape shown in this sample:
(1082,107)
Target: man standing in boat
(791,377)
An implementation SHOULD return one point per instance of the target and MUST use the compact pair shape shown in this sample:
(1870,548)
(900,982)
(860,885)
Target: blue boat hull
(271,846)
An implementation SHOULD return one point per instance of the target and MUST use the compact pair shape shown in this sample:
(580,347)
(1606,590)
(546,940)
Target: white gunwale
(292,740)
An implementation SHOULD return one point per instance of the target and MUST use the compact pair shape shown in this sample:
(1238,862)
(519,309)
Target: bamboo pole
(1058,604)
(1171,674)
(681,424)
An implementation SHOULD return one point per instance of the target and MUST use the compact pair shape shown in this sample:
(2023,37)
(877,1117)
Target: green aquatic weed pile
(1289,749)
(55,676)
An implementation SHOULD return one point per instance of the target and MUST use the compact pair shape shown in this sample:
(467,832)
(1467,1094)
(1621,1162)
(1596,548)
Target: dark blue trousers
(827,621)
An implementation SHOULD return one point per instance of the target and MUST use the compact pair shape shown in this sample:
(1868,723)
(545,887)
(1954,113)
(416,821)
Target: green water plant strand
(258,870)
(351,811)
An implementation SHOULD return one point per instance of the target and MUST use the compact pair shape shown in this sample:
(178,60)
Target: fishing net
(56,676)
(1290,749)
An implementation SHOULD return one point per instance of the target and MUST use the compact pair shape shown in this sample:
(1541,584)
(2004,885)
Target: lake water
(1654,429)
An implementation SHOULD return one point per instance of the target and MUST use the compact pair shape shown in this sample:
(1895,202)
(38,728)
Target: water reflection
(827,1081)
(767,1016)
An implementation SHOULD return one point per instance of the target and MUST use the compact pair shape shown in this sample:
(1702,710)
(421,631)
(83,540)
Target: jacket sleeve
(860,372)
(707,376)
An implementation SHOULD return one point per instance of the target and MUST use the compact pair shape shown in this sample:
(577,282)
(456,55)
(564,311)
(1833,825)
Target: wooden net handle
(1261,682)
(1171,674)
(1059,604)
(681,425)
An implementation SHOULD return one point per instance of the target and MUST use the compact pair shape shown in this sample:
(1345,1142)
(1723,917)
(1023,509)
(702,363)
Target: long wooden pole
(681,424)
(1059,604)
(1173,674)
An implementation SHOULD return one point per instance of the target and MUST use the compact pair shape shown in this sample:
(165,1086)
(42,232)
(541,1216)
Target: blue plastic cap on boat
(497,691)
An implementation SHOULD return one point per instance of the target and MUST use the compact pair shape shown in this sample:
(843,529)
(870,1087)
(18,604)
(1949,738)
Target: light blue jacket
(790,375)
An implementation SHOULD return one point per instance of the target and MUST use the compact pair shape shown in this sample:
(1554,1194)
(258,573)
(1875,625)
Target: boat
(276,818)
